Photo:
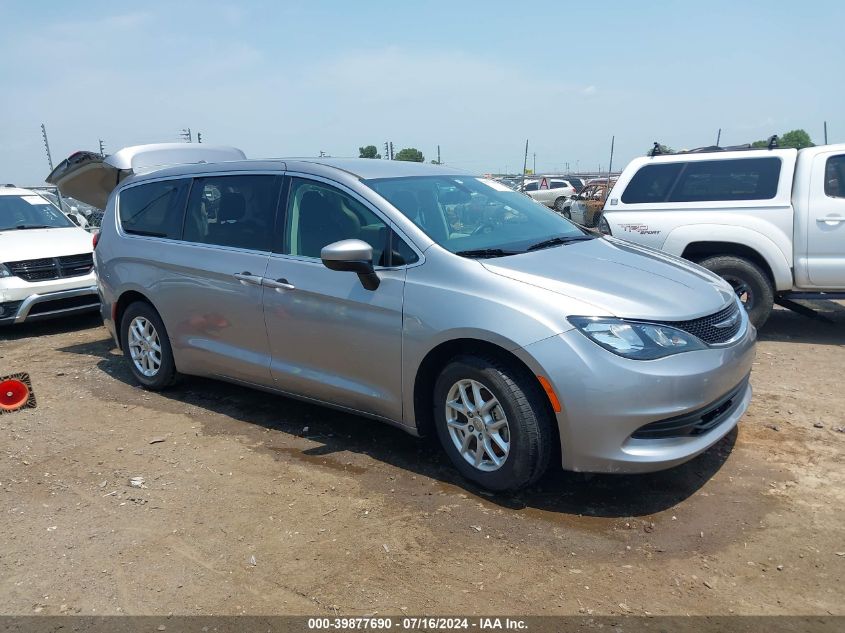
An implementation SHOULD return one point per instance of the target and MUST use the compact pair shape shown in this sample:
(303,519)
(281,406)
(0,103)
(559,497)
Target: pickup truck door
(826,221)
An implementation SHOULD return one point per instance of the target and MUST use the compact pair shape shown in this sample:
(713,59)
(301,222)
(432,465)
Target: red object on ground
(14,394)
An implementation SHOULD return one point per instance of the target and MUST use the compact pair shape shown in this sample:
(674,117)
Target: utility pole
(50,163)
(524,164)
(391,150)
(534,168)
(718,137)
(102,148)
(47,146)
(825,132)
(186,135)
(199,137)
(438,154)
(386,151)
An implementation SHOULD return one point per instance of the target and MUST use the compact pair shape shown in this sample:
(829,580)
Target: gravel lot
(254,503)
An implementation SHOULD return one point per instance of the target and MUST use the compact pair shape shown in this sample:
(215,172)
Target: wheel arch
(736,241)
(437,358)
(127,298)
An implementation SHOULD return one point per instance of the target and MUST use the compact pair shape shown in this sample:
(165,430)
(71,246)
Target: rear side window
(701,181)
(740,179)
(236,211)
(155,209)
(651,183)
(558,184)
(834,177)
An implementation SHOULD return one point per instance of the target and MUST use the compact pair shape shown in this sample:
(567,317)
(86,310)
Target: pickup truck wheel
(751,284)
(493,421)
(560,204)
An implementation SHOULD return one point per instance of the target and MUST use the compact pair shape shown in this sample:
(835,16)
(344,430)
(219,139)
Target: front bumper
(47,305)
(607,399)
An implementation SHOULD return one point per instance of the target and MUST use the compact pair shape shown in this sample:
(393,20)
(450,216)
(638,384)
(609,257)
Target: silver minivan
(419,295)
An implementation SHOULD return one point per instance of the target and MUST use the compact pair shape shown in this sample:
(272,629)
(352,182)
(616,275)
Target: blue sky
(477,78)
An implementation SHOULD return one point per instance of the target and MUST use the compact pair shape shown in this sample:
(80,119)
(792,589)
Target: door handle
(278,284)
(831,218)
(247,278)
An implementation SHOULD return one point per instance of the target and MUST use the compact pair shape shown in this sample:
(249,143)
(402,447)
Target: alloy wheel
(477,425)
(144,346)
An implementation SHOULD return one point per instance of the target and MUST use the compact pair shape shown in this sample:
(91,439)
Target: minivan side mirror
(353,256)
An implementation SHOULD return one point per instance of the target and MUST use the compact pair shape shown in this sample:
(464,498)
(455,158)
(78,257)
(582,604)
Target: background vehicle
(770,222)
(585,208)
(418,295)
(552,192)
(46,265)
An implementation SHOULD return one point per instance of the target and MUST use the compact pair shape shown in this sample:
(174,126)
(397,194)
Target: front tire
(750,283)
(493,421)
(147,347)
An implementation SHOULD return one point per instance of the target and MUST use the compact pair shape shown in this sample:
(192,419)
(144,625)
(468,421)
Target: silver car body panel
(322,337)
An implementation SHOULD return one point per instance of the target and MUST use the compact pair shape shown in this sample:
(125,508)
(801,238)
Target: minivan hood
(38,243)
(621,279)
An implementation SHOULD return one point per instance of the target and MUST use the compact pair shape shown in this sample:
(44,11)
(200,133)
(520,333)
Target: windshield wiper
(483,253)
(557,241)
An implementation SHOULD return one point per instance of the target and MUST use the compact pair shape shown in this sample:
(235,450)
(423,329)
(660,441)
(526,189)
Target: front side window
(531,186)
(154,209)
(30,212)
(236,211)
(319,214)
(475,216)
(834,177)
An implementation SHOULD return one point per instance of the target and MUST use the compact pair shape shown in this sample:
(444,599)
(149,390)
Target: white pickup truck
(769,221)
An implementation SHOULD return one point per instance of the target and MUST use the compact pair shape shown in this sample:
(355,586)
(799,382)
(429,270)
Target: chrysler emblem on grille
(726,323)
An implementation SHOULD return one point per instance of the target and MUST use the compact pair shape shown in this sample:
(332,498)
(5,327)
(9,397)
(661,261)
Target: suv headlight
(4,272)
(633,339)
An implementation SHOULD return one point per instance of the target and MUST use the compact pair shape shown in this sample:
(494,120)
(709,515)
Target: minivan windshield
(30,212)
(477,217)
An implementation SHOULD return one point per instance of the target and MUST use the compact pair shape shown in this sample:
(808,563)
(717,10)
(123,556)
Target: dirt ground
(258,504)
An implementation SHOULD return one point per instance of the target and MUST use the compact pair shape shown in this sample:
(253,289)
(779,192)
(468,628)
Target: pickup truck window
(738,179)
(706,180)
(651,183)
(834,177)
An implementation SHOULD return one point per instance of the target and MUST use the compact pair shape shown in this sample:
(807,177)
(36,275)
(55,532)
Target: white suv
(46,264)
(552,192)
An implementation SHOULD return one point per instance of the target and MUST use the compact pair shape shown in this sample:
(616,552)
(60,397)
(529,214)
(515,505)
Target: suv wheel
(560,204)
(493,422)
(751,284)
(147,346)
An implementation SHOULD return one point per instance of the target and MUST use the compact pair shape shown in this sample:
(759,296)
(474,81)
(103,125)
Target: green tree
(369,151)
(794,138)
(411,154)
(664,149)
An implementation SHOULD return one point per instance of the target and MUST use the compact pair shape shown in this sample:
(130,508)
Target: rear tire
(510,404)
(560,204)
(749,281)
(147,347)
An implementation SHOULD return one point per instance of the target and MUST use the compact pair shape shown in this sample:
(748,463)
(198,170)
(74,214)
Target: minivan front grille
(714,329)
(52,267)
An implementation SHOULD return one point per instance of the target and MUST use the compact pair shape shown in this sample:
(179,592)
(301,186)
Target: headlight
(4,272)
(632,339)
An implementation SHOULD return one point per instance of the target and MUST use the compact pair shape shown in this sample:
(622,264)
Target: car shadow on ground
(788,326)
(61,325)
(337,432)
